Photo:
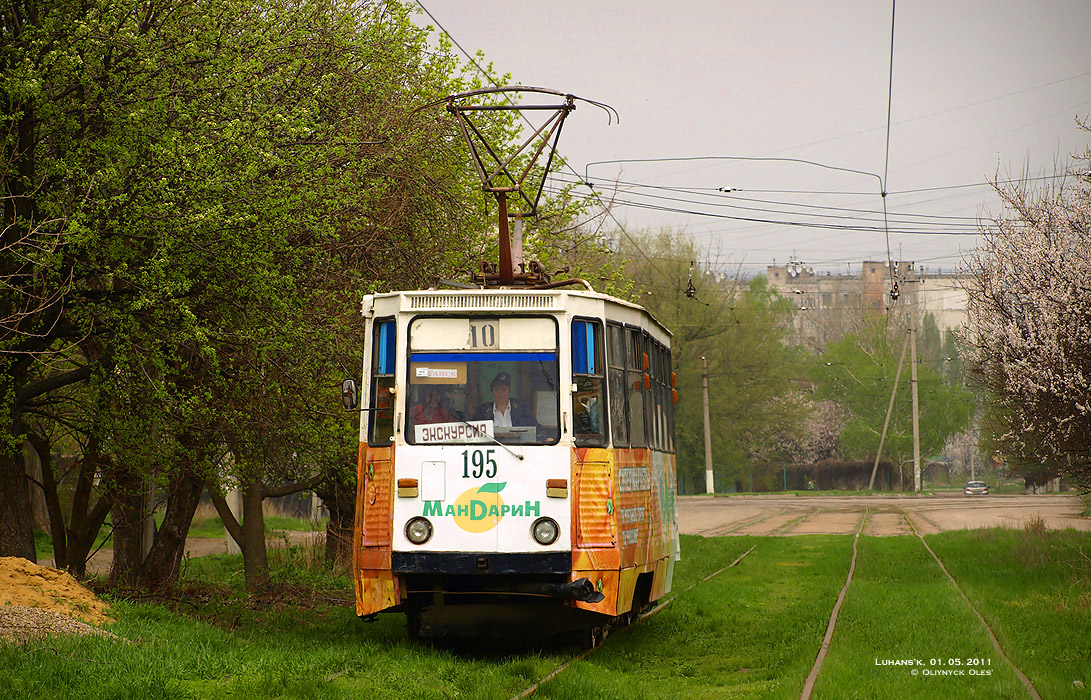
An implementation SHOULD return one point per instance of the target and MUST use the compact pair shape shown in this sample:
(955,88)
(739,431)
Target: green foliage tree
(858,370)
(196,198)
(738,327)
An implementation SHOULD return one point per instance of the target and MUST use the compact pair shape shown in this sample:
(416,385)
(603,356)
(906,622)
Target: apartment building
(832,304)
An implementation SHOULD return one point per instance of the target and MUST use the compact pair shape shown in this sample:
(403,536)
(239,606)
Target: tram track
(911,521)
(662,606)
(1031,690)
(791,525)
(720,530)
(640,618)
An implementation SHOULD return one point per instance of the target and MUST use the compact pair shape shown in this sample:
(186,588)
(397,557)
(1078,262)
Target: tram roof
(498,301)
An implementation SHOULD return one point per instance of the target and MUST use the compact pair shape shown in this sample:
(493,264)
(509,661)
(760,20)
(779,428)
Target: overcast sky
(981,88)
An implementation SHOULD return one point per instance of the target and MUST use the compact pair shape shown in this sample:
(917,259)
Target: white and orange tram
(516,462)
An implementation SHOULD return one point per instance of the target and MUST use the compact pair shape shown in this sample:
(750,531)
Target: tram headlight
(545,530)
(418,530)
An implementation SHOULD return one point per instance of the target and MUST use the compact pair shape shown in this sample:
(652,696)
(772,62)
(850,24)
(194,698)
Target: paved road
(886,515)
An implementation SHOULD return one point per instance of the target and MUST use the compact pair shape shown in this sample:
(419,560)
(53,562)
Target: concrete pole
(916,411)
(709,481)
(234,504)
(889,410)
(316,510)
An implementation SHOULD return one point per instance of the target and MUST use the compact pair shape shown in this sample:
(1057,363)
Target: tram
(516,463)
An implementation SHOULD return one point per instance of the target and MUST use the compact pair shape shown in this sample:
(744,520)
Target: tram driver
(504,411)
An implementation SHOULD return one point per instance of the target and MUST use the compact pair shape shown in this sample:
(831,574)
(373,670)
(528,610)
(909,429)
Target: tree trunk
(250,534)
(85,520)
(81,541)
(128,517)
(16,525)
(164,561)
(255,557)
(39,508)
(43,449)
(339,497)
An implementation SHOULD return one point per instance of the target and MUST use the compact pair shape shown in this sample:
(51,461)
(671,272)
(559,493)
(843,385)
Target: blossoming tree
(1029,326)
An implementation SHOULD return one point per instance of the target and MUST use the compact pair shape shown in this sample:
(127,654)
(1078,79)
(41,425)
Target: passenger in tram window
(431,410)
(585,406)
(504,411)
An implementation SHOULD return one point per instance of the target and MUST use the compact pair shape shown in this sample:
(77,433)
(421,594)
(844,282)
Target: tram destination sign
(473,431)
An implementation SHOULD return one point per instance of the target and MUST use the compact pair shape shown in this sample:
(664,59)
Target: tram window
(649,393)
(635,354)
(588,399)
(669,401)
(662,396)
(498,380)
(384,353)
(619,422)
(655,436)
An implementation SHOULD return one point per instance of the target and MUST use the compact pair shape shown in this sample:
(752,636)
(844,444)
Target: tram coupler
(580,589)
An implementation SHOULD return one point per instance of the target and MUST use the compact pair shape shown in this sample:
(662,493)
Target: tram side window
(662,397)
(619,425)
(383,354)
(588,370)
(655,410)
(668,399)
(649,393)
(635,366)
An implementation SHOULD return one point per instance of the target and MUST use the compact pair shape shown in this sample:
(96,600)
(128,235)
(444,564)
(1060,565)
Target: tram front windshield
(509,395)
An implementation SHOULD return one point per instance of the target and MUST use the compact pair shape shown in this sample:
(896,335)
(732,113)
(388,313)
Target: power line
(793,223)
(954,221)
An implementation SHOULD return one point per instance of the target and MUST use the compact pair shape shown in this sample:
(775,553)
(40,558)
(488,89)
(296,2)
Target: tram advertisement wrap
(482,497)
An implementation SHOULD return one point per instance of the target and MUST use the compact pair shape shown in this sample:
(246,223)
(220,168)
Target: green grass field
(753,631)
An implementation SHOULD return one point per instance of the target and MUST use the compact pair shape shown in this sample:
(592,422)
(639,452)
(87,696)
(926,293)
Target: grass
(1034,587)
(751,632)
(901,606)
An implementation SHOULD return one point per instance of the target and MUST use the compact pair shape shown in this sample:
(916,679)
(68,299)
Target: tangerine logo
(481,508)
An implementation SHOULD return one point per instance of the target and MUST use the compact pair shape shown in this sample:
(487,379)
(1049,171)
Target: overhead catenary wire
(902,223)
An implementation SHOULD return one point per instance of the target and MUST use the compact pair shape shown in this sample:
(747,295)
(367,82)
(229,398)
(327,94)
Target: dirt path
(99,564)
(885,515)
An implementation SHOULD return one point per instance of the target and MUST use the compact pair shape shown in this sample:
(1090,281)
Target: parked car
(976,488)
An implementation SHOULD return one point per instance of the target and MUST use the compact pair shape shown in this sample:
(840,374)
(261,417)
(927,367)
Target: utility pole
(709,482)
(916,411)
(973,451)
(889,410)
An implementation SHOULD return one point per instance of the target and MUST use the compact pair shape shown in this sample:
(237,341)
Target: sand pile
(37,601)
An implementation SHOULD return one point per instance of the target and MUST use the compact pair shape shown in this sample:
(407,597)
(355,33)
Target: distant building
(833,304)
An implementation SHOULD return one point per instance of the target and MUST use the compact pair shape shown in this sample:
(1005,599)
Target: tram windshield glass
(483,379)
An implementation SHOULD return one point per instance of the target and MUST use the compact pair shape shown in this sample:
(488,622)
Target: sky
(719,101)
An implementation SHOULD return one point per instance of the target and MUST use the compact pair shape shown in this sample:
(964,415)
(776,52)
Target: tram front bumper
(468,563)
